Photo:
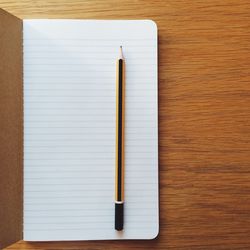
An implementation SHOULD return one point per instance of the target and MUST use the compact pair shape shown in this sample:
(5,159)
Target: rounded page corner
(152,24)
(154,234)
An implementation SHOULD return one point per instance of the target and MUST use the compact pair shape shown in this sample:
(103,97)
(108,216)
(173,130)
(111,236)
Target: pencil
(120,124)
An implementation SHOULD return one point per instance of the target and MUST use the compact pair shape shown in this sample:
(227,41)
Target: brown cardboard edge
(11,129)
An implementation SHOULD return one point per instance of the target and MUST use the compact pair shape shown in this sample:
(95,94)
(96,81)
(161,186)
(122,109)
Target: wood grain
(204,117)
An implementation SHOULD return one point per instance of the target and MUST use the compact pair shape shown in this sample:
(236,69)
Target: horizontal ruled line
(36,70)
(77,229)
(83,64)
(89,39)
(82,202)
(70,170)
(80,178)
(91,46)
(77,190)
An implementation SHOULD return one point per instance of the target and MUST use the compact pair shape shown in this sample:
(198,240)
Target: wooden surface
(204,117)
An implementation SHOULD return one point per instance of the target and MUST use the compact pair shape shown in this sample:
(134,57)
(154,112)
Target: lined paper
(69,129)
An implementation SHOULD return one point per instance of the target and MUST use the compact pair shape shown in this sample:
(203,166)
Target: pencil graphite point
(121,55)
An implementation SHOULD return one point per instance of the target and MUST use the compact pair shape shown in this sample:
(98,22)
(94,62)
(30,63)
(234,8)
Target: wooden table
(204,117)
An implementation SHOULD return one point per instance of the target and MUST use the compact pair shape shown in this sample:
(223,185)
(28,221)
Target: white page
(69,129)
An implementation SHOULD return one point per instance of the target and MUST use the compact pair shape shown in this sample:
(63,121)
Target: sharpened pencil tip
(121,54)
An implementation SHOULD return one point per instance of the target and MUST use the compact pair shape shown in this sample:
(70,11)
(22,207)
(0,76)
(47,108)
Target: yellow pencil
(120,125)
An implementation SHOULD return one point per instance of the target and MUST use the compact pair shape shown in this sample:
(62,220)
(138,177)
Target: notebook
(69,129)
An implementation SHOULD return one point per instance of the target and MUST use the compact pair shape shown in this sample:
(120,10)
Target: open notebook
(69,129)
